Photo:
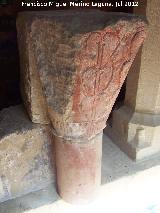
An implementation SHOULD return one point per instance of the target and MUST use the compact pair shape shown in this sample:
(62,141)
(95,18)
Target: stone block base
(25,154)
(137,134)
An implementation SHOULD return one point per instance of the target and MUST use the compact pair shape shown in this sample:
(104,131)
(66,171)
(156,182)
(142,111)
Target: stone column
(136,125)
(73,65)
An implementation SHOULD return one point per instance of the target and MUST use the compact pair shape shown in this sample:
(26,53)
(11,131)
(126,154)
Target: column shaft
(78,168)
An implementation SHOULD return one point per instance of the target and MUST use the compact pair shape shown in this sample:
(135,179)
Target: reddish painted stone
(103,61)
(78,169)
(80,60)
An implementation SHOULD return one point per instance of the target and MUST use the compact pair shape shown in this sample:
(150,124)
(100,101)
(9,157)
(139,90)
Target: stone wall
(136,124)
(26,154)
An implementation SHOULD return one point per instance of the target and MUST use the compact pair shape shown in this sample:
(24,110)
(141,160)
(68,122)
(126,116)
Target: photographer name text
(81,4)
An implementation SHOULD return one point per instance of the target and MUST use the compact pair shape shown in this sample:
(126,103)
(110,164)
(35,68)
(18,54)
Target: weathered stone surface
(25,154)
(81,60)
(31,88)
(137,134)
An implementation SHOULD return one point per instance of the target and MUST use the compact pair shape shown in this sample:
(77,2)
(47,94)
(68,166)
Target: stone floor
(127,187)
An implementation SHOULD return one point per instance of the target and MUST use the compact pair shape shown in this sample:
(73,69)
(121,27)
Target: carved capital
(81,61)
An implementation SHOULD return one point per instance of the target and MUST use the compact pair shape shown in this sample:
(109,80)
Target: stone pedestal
(136,125)
(73,64)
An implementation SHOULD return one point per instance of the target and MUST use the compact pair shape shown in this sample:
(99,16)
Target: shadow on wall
(9,60)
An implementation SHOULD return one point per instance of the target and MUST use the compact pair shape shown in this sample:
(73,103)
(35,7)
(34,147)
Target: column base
(136,134)
(78,169)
